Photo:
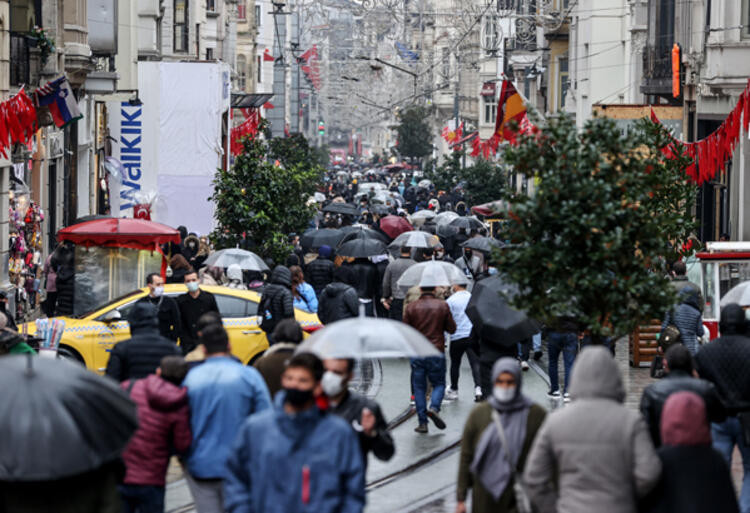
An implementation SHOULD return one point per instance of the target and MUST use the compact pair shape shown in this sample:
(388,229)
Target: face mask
(297,397)
(192,286)
(158,291)
(504,394)
(332,383)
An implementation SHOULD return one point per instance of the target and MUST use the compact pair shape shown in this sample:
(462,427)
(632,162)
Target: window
(211,5)
(562,81)
(242,11)
(241,72)
(490,109)
(209,54)
(260,69)
(231,307)
(446,61)
(745,19)
(180,25)
(258,17)
(490,34)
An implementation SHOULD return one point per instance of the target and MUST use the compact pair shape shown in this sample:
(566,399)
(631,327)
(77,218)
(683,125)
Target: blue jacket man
(296,458)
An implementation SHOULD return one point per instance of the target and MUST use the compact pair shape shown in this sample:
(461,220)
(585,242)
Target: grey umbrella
(57,419)
(414,239)
(443,274)
(247,260)
(367,337)
(483,244)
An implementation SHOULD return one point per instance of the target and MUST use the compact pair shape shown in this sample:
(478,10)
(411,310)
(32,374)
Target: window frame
(490,109)
(745,31)
(563,80)
(490,38)
(242,10)
(184,25)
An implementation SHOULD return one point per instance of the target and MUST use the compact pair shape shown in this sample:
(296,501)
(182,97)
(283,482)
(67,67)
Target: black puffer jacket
(319,274)
(141,354)
(656,394)
(725,361)
(337,301)
(277,303)
(366,278)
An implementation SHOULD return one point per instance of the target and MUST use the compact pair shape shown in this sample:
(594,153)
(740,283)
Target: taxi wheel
(68,353)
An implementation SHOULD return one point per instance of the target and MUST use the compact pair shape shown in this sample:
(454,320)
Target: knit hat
(325,251)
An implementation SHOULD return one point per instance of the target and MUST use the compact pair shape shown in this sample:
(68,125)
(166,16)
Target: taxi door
(242,325)
(110,331)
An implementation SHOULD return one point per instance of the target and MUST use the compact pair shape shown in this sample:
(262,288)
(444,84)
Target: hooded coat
(163,425)
(319,272)
(309,462)
(337,301)
(688,319)
(277,302)
(141,354)
(598,451)
(695,477)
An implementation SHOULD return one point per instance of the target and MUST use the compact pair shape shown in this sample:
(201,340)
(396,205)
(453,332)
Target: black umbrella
(467,223)
(483,244)
(313,239)
(361,248)
(341,208)
(493,318)
(57,419)
(362,232)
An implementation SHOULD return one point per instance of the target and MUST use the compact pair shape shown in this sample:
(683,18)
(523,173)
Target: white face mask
(192,286)
(158,291)
(504,394)
(332,383)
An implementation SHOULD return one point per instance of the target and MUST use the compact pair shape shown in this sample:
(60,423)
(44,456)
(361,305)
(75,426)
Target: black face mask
(297,397)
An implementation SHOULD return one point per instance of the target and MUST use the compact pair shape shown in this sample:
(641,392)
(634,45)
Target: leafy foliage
(593,239)
(482,182)
(414,133)
(264,200)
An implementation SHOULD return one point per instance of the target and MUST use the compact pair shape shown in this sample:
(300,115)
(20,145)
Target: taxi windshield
(114,301)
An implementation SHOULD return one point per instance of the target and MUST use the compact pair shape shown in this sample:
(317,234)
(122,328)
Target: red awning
(267,57)
(120,233)
(488,89)
(268,105)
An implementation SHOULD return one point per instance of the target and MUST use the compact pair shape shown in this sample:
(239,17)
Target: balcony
(20,60)
(657,72)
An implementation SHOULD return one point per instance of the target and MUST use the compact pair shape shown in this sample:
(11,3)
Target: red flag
(510,107)
(267,57)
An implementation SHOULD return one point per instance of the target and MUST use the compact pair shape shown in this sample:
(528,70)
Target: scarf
(490,463)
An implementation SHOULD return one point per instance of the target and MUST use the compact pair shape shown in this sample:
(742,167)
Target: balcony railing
(20,61)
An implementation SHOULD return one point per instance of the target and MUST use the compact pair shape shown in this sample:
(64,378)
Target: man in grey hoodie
(393,297)
(594,455)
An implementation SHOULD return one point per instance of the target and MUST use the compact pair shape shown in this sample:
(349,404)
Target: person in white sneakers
(462,342)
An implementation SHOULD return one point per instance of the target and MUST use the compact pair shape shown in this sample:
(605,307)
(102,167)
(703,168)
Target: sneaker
(450,395)
(553,394)
(537,355)
(434,417)
(412,402)
(478,394)
(422,428)
(566,397)
(524,365)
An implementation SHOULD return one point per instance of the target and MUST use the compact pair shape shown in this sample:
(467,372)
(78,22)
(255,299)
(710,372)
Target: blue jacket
(278,461)
(309,301)
(222,393)
(688,319)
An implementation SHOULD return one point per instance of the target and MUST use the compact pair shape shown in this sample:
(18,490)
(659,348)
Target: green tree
(591,242)
(483,181)
(265,200)
(414,133)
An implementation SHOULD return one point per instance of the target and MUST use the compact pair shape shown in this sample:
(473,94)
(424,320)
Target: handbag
(523,504)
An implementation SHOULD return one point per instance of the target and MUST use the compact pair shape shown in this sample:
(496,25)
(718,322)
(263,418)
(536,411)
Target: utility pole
(277,115)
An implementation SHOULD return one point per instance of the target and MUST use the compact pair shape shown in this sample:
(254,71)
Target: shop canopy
(120,233)
(491,209)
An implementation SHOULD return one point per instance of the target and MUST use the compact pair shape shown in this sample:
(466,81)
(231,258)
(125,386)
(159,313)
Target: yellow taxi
(89,337)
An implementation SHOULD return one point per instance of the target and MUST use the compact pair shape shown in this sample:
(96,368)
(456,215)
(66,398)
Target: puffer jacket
(688,319)
(598,451)
(163,424)
(319,274)
(277,303)
(337,301)
(366,278)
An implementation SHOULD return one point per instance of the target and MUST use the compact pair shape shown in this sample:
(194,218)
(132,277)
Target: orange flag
(510,107)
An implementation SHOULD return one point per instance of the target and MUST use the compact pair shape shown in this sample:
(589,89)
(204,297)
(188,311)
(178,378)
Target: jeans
(567,344)
(142,498)
(397,310)
(536,342)
(457,349)
(422,369)
(524,348)
(725,436)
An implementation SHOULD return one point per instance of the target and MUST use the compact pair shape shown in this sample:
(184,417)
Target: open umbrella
(483,244)
(445,217)
(247,260)
(313,239)
(393,226)
(424,183)
(467,223)
(420,217)
(361,232)
(58,419)
(381,210)
(361,248)
(319,197)
(443,274)
(493,318)
(367,337)
(739,294)
(414,239)
(346,209)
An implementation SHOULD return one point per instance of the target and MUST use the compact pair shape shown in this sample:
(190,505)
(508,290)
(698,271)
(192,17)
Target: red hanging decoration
(17,121)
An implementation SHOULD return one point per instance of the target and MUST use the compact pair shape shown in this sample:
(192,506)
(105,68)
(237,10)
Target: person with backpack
(687,318)
(277,302)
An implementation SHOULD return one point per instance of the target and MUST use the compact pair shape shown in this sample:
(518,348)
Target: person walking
(338,300)
(680,282)
(679,369)
(140,355)
(462,342)
(488,464)
(10,322)
(432,318)
(222,393)
(288,335)
(234,277)
(562,338)
(365,283)
(50,286)
(295,457)
(170,322)
(319,272)
(192,305)
(725,362)
(303,293)
(686,315)
(277,302)
(163,428)
(594,455)
(363,414)
(392,295)
(694,476)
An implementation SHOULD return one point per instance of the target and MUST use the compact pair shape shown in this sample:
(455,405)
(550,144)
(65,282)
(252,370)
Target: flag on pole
(510,107)
(62,103)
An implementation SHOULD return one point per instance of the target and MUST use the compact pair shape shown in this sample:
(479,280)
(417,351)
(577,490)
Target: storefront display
(25,250)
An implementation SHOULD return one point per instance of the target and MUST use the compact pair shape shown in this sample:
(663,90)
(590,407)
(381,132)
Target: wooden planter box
(643,344)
